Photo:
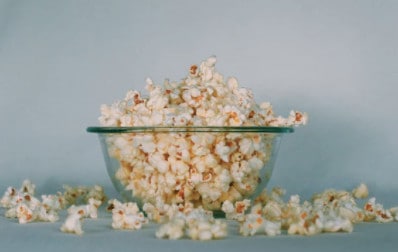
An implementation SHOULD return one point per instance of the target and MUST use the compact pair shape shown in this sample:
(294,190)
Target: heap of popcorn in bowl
(205,168)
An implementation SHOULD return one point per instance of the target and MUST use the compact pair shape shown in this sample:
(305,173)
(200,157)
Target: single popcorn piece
(126,215)
(376,212)
(73,223)
(361,192)
(237,211)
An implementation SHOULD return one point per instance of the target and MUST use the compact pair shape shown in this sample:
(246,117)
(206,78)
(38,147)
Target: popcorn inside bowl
(201,140)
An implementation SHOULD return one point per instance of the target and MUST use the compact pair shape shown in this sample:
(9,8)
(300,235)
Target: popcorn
(202,168)
(328,211)
(197,224)
(361,191)
(73,224)
(255,223)
(237,211)
(207,229)
(375,212)
(89,210)
(394,212)
(173,230)
(23,205)
(126,215)
(81,194)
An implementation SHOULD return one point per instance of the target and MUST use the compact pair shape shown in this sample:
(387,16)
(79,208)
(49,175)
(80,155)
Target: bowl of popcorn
(198,142)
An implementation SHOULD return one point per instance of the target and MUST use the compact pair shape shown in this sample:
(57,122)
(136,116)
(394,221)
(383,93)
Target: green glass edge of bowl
(259,129)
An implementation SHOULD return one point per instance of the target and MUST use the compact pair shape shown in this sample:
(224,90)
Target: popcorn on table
(205,169)
(76,214)
(329,211)
(23,205)
(126,215)
(196,224)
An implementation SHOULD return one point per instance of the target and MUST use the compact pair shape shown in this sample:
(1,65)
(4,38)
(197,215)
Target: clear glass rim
(146,129)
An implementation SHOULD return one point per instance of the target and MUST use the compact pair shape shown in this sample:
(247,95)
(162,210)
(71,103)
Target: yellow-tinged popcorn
(361,191)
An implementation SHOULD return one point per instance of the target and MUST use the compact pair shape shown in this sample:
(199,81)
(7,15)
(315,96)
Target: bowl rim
(173,129)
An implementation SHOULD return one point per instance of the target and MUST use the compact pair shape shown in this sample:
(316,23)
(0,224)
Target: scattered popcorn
(197,224)
(328,211)
(86,211)
(255,224)
(24,206)
(73,223)
(205,169)
(375,212)
(81,194)
(126,215)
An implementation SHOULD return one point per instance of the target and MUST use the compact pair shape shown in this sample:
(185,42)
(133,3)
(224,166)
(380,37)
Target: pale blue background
(337,60)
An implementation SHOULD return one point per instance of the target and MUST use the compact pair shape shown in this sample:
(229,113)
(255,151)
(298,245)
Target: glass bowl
(204,166)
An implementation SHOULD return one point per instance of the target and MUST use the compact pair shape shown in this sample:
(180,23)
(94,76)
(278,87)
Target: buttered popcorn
(203,168)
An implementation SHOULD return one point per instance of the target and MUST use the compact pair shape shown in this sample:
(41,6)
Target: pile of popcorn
(205,169)
(268,214)
(23,205)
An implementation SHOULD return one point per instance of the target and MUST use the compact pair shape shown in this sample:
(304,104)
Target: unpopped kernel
(207,168)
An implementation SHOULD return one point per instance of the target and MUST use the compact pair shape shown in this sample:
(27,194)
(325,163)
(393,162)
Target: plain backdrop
(336,60)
